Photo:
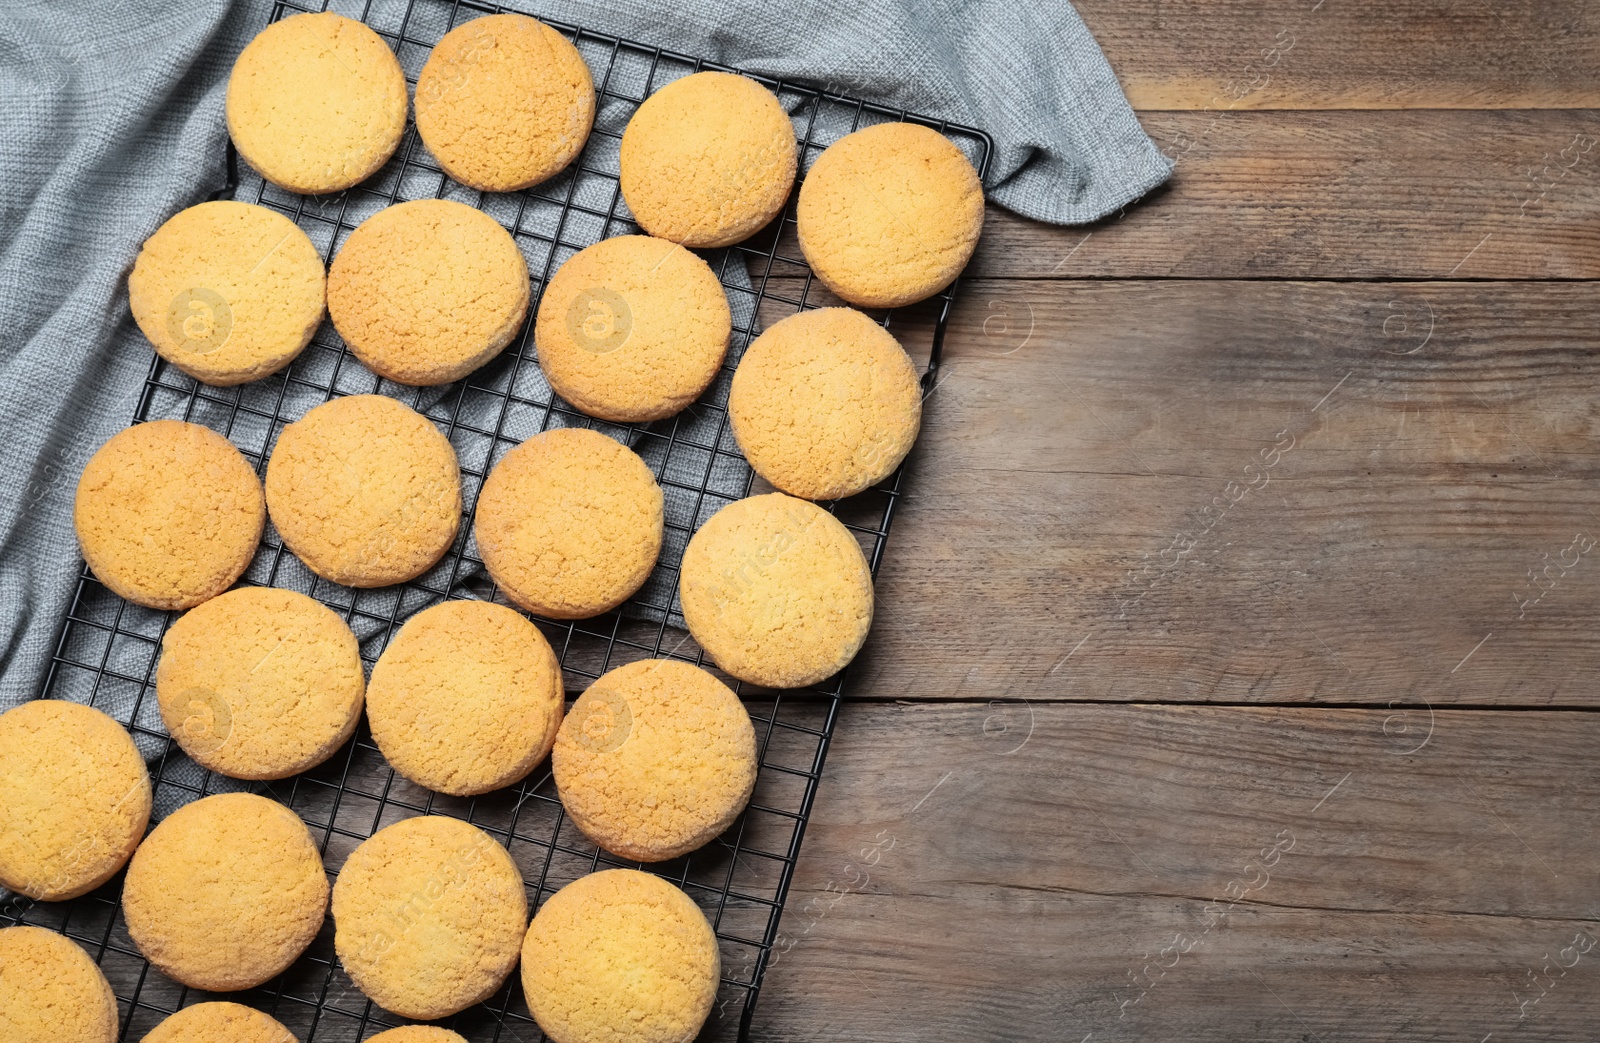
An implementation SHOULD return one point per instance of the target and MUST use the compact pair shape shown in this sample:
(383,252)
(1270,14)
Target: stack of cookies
(657,757)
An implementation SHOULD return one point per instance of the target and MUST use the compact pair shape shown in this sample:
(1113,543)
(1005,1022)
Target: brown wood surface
(1266,509)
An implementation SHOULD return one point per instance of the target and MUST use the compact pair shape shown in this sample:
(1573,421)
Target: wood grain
(1017,877)
(1253,492)
(1355,54)
(1340,195)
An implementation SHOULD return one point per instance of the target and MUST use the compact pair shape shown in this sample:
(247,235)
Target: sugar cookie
(825,404)
(227,292)
(428,914)
(708,160)
(168,514)
(504,102)
(365,490)
(776,591)
(632,328)
(890,215)
(51,991)
(219,1023)
(226,892)
(656,758)
(620,955)
(418,1034)
(316,103)
(74,799)
(569,523)
(425,292)
(466,699)
(260,683)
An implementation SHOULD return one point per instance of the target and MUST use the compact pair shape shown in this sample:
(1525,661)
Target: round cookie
(890,215)
(168,514)
(316,103)
(365,490)
(427,916)
(504,102)
(655,759)
(776,591)
(418,1034)
(825,403)
(620,955)
(227,292)
(466,699)
(708,160)
(425,292)
(51,991)
(219,1023)
(260,683)
(74,799)
(569,523)
(632,328)
(226,892)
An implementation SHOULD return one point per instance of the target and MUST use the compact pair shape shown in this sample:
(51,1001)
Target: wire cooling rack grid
(108,648)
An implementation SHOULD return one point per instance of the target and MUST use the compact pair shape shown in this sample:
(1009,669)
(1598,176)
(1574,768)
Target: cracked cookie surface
(220,1023)
(51,991)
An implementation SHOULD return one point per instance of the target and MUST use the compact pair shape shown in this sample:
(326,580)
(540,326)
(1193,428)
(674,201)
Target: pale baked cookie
(504,102)
(569,523)
(708,160)
(219,1023)
(632,328)
(427,916)
(51,991)
(466,699)
(418,1034)
(890,215)
(425,292)
(226,892)
(365,490)
(655,759)
(825,404)
(776,591)
(260,683)
(168,514)
(74,799)
(620,955)
(227,292)
(316,103)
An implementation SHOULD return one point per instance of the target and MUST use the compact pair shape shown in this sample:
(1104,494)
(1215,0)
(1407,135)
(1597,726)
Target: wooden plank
(1038,873)
(1253,492)
(1357,54)
(1343,195)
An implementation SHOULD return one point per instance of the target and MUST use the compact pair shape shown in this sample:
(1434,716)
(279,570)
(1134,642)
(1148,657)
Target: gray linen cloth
(111,121)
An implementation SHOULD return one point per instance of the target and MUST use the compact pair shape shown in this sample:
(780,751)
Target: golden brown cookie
(708,160)
(428,914)
(260,683)
(425,292)
(74,799)
(620,955)
(890,215)
(776,591)
(227,292)
(569,523)
(51,991)
(226,892)
(219,1023)
(418,1034)
(316,103)
(825,404)
(168,514)
(656,758)
(365,490)
(504,102)
(466,699)
(632,328)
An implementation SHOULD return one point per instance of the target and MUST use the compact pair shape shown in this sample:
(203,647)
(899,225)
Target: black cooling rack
(108,648)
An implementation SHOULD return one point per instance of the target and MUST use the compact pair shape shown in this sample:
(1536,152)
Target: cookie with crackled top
(51,991)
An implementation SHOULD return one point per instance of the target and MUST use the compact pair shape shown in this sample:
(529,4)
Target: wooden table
(1237,658)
